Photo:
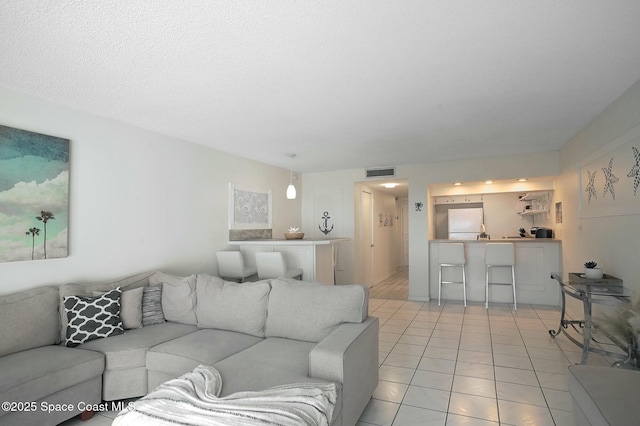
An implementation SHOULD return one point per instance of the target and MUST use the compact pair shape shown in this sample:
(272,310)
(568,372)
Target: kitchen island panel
(314,256)
(536,259)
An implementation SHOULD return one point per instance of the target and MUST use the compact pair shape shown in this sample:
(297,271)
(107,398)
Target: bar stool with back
(500,255)
(452,255)
(271,264)
(231,265)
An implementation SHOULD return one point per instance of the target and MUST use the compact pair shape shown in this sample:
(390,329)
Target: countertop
(498,240)
(283,241)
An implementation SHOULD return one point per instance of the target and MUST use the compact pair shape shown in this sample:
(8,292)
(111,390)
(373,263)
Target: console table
(589,293)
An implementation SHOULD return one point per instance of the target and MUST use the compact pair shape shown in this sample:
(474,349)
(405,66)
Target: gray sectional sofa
(257,335)
(604,396)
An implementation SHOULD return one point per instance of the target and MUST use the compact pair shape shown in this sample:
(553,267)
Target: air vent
(382,172)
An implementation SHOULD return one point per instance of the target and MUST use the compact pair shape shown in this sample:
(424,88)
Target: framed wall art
(250,209)
(34,195)
(610,178)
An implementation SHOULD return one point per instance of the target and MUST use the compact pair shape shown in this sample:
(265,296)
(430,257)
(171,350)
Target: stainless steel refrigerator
(465,224)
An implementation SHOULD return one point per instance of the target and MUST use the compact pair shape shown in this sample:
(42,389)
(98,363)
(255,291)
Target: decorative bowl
(294,235)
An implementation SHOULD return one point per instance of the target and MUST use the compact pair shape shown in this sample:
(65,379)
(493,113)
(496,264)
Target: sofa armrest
(349,355)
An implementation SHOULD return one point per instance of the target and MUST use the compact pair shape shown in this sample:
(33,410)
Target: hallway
(395,287)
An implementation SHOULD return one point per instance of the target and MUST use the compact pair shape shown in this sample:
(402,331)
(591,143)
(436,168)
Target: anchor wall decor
(325,230)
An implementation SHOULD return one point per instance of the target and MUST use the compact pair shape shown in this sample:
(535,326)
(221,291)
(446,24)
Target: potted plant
(623,327)
(591,271)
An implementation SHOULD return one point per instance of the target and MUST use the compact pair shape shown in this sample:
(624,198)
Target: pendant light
(291,189)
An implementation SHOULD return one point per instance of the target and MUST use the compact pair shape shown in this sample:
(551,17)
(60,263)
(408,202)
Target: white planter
(593,273)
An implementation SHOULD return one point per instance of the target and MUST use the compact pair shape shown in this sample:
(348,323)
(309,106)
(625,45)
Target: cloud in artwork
(12,250)
(52,194)
(19,207)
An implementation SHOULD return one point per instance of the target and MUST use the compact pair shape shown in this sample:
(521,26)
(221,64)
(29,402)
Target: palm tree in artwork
(45,217)
(33,232)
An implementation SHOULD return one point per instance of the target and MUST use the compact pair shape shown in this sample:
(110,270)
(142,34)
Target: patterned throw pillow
(92,317)
(152,305)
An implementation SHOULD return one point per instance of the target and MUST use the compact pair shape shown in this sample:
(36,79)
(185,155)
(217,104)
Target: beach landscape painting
(34,195)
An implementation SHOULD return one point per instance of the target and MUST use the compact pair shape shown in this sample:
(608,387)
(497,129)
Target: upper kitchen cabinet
(458,199)
(534,203)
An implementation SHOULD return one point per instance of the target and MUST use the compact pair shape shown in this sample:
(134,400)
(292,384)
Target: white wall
(138,200)
(501,219)
(338,186)
(612,241)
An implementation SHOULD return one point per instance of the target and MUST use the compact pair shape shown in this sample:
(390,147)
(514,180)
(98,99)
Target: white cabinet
(458,199)
(473,198)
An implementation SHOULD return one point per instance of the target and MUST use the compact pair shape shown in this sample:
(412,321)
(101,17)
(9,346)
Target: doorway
(382,233)
(366,231)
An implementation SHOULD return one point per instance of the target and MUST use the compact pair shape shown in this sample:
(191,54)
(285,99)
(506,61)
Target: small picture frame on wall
(559,212)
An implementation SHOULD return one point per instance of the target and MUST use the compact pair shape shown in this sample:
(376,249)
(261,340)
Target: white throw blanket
(192,399)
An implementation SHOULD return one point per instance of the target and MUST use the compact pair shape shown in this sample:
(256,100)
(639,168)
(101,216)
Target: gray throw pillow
(90,318)
(152,305)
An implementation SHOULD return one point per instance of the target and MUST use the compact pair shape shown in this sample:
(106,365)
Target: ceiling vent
(381,172)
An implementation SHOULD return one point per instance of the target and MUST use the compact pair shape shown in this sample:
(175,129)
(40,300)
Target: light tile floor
(451,365)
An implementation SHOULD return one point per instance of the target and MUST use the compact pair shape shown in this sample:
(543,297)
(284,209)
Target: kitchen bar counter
(282,241)
(536,259)
(503,240)
(314,255)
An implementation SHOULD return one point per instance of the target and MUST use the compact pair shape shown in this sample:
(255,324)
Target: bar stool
(231,265)
(452,255)
(500,255)
(271,264)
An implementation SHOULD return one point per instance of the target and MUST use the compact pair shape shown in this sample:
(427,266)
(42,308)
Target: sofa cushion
(29,319)
(129,350)
(127,283)
(206,346)
(604,395)
(311,311)
(272,362)
(232,306)
(152,305)
(178,297)
(36,373)
(91,318)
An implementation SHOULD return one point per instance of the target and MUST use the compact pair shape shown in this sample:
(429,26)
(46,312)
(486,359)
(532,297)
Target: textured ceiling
(343,84)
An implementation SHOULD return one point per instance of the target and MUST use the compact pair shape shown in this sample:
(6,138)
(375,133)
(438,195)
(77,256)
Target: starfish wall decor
(635,170)
(591,187)
(610,180)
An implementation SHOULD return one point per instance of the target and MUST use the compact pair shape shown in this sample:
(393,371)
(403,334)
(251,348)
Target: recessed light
(457,183)
(488,182)
(389,185)
(522,180)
